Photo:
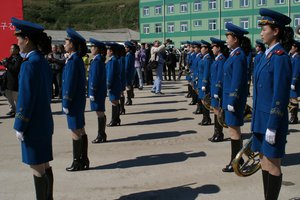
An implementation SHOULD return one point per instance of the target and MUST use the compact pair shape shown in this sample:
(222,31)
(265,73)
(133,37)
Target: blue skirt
(76,121)
(234,118)
(215,103)
(294,94)
(36,151)
(277,150)
(113,96)
(98,105)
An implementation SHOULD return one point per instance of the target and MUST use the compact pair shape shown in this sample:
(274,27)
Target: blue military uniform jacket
(235,87)
(296,76)
(74,91)
(33,113)
(97,83)
(194,67)
(204,75)
(121,61)
(271,88)
(257,59)
(113,78)
(129,68)
(216,76)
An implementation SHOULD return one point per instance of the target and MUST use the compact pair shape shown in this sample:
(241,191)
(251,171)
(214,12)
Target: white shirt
(270,49)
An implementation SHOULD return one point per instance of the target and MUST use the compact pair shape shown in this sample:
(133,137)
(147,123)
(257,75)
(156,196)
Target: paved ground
(159,152)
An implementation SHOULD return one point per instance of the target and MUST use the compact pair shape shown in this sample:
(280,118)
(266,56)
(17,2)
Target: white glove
(270,136)
(203,88)
(293,87)
(216,96)
(230,108)
(66,110)
(20,136)
(92,98)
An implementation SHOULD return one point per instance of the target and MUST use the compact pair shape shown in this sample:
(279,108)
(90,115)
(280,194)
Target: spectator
(171,64)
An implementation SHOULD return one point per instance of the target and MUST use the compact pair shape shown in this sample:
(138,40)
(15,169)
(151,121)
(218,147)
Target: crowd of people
(217,71)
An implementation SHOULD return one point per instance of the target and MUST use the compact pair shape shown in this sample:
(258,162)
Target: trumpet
(251,161)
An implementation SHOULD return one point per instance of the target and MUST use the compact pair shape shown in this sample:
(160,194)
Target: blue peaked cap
(259,43)
(217,41)
(75,36)
(128,44)
(26,27)
(97,42)
(205,43)
(234,29)
(272,17)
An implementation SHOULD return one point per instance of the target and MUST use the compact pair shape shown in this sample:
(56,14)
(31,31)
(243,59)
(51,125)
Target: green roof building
(182,20)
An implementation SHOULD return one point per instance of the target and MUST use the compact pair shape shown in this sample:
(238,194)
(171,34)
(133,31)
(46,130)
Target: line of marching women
(221,82)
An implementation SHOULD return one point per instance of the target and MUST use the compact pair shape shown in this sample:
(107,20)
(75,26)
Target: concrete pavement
(158,153)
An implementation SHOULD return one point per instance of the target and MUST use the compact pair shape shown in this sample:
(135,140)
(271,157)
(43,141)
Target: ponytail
(287,38)
(245,44)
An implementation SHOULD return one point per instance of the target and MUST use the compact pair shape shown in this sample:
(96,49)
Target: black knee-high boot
(122,107)
(194,98)
(236,146)
(294,113)
(77,149)
(189,94)
(199,109)
(218,131)
(115,119)
(129,96)
(84,155)
(41,187)
(206,118)
(265,176)
(102,137)
(49,174)
(274,187)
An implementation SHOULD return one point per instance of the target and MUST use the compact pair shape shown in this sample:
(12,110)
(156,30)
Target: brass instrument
(297,31)
(251,161)
(247,112)
(221,117)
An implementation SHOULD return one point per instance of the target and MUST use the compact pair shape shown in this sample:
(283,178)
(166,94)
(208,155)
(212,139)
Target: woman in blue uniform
(97,87)
(34,122)
(73,102)
(260,50)
(121,59)
(235,86)
(113,82)
(216,72)
(295,85)
(129,70)
(272,80)
(204,79)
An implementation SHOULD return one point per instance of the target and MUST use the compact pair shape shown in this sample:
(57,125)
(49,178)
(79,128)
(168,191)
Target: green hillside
(83,14)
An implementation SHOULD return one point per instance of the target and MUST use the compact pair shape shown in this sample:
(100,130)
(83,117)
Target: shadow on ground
(291,159)
(154,136)
(160,102)
(156,111)
(158,121)
(184,192)
(157,159)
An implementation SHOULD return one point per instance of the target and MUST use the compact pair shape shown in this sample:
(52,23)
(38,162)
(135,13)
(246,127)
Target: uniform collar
(270,49)
(28,54)
(218,56)
(205,55)
(96,56)
(295,54)
(234,50)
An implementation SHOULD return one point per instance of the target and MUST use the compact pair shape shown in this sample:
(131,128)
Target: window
(297,1)
(158,10)
(146,29)
(197,23)
(183,7)
(261,2)
(212,4)
(197,6)
(280,1)
(258,19)
(227,3)
(212,25)
(171,8)
(227,21)
(171,27)
(244,23)
(183,26)
(157,28)
(296,20)
(146,11)
(244,3)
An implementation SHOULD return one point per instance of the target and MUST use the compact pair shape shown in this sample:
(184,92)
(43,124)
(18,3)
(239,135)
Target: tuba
(207,101)
(251,161)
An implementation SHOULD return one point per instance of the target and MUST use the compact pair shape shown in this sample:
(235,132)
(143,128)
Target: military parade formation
(218,72)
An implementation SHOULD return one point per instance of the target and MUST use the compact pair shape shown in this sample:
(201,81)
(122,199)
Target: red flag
(8,9)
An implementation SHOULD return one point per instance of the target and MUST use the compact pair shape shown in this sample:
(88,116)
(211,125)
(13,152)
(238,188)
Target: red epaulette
(279,52)
(237,53)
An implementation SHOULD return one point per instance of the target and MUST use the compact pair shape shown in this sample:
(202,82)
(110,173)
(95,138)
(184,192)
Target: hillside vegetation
(83,14)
